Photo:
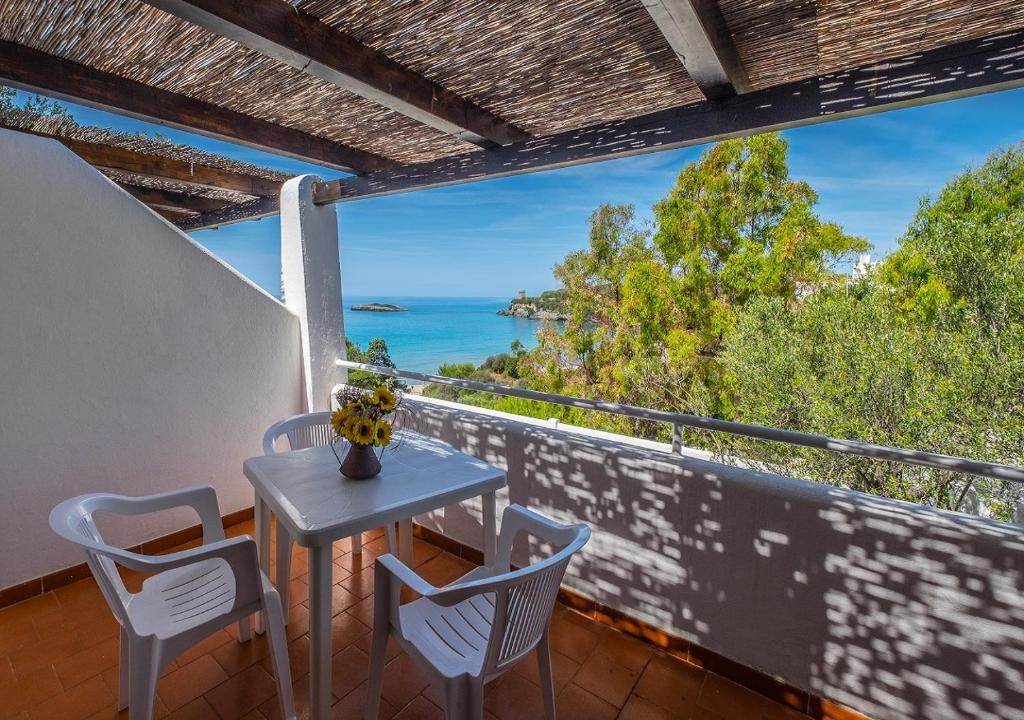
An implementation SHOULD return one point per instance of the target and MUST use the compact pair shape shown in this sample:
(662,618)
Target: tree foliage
(649,312)
(927,353)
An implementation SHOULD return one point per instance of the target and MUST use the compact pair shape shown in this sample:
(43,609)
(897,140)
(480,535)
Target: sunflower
(384,399)
(382,433)
(349,427)
(363,431)
(338,420)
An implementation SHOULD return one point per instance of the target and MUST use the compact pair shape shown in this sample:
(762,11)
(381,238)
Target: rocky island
(546,306)
(378,307)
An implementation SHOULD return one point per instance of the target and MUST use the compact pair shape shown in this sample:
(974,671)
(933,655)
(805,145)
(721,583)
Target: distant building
(864,265)
(521,295)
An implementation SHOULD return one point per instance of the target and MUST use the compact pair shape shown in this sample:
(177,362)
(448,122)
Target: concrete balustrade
(897,610)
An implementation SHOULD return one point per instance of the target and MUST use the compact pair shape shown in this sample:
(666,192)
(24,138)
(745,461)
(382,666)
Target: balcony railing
(937,461)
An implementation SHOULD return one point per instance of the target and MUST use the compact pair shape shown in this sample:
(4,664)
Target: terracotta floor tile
(625,650)
(403,681)
(345,630)
(671,684)
(190,681)
(638,708)
(236,656)
(563,667)
(298,621)
(363,611)
(25,692)
(298,658)
(198,709)
(730,700)
(298,591)
(513,697)
(349,668)
(393,648)
(34,611)
(359,584)
(572,639)
(78,703)
(74,669)
(59,652)
(353,706)
(575,703)
(271,709)
(242,693)
(604,677)
(208,644)
(420,709)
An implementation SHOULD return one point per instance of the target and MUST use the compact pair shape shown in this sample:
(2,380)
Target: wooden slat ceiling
(435,91)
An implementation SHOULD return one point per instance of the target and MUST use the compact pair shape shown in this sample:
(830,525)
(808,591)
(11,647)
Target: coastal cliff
(546,306)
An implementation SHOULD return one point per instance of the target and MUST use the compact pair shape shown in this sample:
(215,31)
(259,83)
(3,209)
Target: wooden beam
(696,31)
(280,30)
(36,71)
(168,199)
(111,157)
(237,212)
(969,68)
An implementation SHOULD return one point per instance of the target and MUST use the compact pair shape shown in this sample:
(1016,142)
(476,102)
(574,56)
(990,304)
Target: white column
(311,284)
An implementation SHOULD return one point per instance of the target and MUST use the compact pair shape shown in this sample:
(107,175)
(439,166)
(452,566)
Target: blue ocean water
(438,330)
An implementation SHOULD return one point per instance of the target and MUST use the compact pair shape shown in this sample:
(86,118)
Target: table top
(319,505)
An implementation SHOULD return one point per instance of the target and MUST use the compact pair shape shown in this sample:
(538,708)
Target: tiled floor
(58,660)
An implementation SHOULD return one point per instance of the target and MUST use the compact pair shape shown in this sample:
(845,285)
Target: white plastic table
(318,505)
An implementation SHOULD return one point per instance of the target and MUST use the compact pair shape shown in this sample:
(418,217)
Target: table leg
(261,523)
(405,541)
(490,511)
(320,580)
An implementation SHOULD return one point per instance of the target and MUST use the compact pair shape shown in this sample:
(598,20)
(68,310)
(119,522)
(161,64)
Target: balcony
(132,361)
(60,662)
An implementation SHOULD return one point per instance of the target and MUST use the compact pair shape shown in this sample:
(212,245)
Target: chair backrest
(73,520)
(523,599)
(303,431)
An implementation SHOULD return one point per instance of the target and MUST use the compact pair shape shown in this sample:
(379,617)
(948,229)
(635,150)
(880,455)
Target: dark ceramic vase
(361,463)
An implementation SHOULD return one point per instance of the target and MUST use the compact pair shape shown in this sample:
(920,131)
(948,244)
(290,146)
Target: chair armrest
(405,575)
(201,498)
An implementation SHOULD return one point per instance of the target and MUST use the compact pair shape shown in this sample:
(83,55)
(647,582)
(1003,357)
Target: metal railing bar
(919,458)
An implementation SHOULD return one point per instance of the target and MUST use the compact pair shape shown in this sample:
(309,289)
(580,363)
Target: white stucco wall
(897,610)
(131,360)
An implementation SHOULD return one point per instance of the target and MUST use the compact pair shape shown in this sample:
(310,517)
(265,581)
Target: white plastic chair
(303,431)
(471,631)
(189,595)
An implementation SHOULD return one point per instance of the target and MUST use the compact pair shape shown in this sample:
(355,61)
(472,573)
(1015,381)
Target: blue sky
(495,237)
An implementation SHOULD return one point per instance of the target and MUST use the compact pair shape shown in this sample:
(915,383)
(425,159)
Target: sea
(437,330)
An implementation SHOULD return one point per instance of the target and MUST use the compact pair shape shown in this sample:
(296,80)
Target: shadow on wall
(896,610)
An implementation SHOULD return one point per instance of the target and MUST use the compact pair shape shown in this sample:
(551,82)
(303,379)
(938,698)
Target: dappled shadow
(894,609)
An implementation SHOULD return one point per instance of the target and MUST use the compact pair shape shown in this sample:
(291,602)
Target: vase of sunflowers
(363,420)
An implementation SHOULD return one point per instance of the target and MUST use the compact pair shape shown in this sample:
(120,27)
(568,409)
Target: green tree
(649,314)
(928,353)
(376,353)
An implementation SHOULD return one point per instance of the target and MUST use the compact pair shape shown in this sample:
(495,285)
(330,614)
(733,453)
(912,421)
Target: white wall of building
(131,360)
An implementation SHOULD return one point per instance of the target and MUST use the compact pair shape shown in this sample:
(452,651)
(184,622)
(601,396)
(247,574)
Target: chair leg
(245,629)
(464,698)
(547,680)
(122,672)
(357,544)
(143,673)
(284,566)
(279,653)
(375,682)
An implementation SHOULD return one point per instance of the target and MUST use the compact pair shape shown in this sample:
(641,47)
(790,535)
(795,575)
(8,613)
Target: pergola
(416,94)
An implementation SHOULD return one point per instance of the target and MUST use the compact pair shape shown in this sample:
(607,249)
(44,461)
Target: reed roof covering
(100,147)
(533,67)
